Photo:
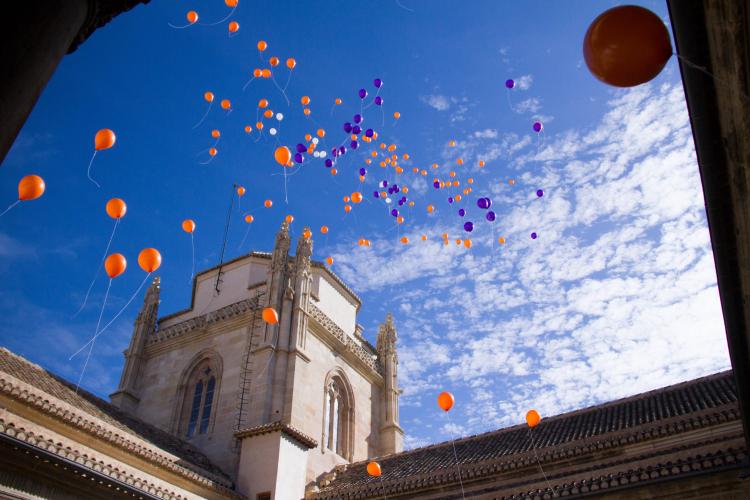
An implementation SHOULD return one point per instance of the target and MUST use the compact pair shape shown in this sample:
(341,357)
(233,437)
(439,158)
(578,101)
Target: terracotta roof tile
(715,394)
(53,385)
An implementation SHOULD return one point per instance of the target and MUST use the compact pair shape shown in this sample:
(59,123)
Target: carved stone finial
(304,250)
(283,234)
(387,335)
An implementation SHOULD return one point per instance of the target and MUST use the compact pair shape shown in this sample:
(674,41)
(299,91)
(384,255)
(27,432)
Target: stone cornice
(349,345)
(706,420)
(65,413)
(201,322)
(279,426)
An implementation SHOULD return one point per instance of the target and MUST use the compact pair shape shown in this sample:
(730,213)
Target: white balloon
(323,154)
(272,131)
(315,140)
(387,200)
(316,154)
(279,116)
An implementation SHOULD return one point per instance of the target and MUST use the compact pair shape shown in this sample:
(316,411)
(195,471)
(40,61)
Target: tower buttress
(391,433)
(126,396)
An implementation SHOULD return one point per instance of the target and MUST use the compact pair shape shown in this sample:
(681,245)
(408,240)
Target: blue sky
(616,296)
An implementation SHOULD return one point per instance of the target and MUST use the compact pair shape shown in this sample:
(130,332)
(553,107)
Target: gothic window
(199,398)
(338,417)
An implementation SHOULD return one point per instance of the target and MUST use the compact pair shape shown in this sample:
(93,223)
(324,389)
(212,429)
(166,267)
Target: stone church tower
(275,406)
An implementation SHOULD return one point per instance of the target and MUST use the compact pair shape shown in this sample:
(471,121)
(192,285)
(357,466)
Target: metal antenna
(226,234)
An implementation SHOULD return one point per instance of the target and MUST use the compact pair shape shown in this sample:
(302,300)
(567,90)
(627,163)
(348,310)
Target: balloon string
(403,7)
(88,171)
(10,207)
(99,267)
(705,71)
(204,115)
(455,456)
(192,244)
(98,322)
(507,94)
(179,27)
(248,83)
(286,193)
(113,319)
(288,80)
(221,21)
(283,91)
(244,237)
(533,448)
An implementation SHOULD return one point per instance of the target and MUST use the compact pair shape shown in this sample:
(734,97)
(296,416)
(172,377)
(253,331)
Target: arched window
(198,388)
(338,416)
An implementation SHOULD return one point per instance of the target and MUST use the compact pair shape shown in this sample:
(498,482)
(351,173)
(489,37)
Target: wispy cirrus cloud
(437,101)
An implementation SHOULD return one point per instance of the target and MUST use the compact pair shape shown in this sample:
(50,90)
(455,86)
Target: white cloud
(488,133)
(524,82)
(437,101)
(530,105)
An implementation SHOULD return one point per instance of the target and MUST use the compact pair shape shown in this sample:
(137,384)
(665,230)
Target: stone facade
(216,373)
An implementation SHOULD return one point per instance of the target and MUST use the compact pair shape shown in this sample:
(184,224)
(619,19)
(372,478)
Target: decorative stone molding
(65,413)
(347,342)
(200,322)
(278,426)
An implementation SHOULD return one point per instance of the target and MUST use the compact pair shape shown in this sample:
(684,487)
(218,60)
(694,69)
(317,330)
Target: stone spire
(126,396)
(391,434)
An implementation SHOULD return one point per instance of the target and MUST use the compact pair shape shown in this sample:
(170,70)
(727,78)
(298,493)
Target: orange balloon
(347,208)
(226,104)
(511,182)
(373,469)
(263,103)
(104,139)
(209,96)
(215,134)
(404,240)
(116,208)
(234,26)
(324,229)
(501,240)
(213,151)
(241,191)
(400,219)
(30,187)
(257,73)
(356,197)
(248,128)
(270,316)
(231,3)
(192,17)
(289,219)
(291,63)
(430,209)
(397,115)
(268,113)
(305,100)
(149,259)
(626,46)
(249,218)
(307,111)
(446,401)
(188,225)
(259,125)
(307,233)
(467,243)
(533,418)
(274,61)
(334,171)
(424,237)
(329,260)
(265,73)
(481,163)
(338,101)
(262,45)
(115,265)
(268,203)
(282,155)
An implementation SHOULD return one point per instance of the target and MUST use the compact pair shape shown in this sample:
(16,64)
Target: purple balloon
(298,157)
(394,212)
(362,93)
(354,144)
(342,150)
(348,128)
(369,132)
(396,189)
(329,162)
(539,193)
(301,148)
(385,183)
(363,171)
(335,152)
(533,236)
(376,194)
(538,126)
(461,212)
(509,83)
(401,202)
(484,203)
(436,184)
(469,226)
(390,190)
(490,216)
(357,118)
(450,199)
(379,101)
(356,129)
(378,83)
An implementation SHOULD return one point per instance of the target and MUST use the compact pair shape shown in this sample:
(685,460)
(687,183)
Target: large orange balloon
(149,259)
(188,225)
(30,187)
(115,265)
(270,316)
(533,418)
(192,17)
(357,197)
(282,155)
(446,401)
(626,46)
(234,27)
(104,139)
(231,3)
(116,208)
(373,469)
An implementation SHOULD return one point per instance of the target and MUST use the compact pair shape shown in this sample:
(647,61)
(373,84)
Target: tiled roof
(53,385)
(686,405)
(287,429)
